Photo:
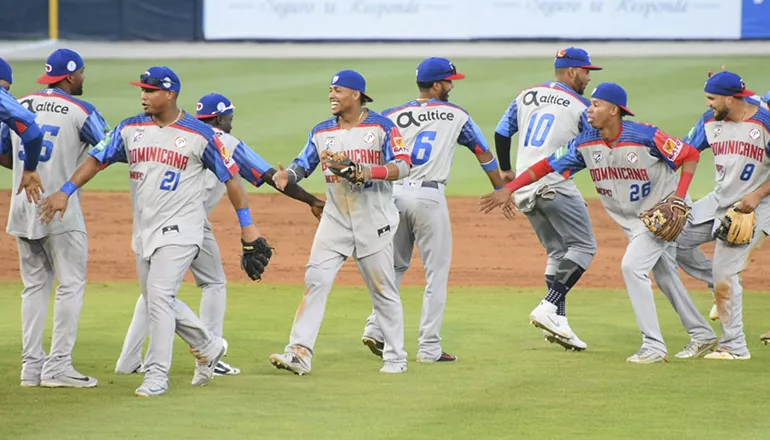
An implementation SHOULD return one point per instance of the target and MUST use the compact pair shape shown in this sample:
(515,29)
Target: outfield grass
(508,382)
(279,101)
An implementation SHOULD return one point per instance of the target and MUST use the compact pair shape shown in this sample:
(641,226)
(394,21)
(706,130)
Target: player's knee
(630,268)
(315,277)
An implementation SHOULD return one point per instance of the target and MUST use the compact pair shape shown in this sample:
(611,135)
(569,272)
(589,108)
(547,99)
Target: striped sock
(567,275)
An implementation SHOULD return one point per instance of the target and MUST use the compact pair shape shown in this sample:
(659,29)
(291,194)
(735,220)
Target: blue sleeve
(94,129)
(218,160)
(251,164)
(5,140)
(509,123)
(567,160)
(393,146)
(111,149)
(308,159)
(22,122)
(583,124)
(697,135)
(472,137)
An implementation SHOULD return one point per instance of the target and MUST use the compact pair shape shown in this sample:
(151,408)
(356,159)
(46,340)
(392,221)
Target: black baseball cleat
(374,345)
(445,357)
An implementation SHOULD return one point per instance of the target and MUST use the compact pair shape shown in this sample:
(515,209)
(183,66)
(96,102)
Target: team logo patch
(329,142)
(598,157)
(754,134)
(672,148)
(138,135)
(632,157)
(335,79)
(71,65)
(561,152)
(48,68)
(369,138)
(199,107)
(180,142)
(718,131)
(398,141)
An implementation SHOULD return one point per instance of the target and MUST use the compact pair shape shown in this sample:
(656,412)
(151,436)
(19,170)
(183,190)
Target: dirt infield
(488,250)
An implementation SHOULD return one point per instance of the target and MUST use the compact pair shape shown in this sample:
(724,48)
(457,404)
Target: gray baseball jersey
(548,116)
(70,126)
(168,172)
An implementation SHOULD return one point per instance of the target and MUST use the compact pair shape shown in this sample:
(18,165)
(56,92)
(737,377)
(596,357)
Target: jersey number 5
(423,146)
(170,181)
(539,127)
(47,150)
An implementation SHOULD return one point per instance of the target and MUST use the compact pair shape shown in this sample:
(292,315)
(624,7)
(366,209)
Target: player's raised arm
(472,137)
(566,161)
(677,154)
(697,135)
(303,166)
(110,150)
(506,128)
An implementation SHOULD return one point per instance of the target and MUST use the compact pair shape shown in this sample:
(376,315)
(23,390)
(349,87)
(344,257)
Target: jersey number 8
(170,181)
(538,129)
(47,149)
(748,170)
(423,146)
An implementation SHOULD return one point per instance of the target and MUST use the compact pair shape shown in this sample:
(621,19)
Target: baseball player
(552,114)
(169,153)
(633,167)
(432,127)
(59,250)
(16,118)
(217,111)
(738,133)
(360,152)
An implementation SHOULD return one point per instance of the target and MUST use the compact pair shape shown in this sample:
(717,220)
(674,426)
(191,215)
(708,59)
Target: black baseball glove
(255,258)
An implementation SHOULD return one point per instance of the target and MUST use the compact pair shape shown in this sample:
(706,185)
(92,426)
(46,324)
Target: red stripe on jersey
(21,127)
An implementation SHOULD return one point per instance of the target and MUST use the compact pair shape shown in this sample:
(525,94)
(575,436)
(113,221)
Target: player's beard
(720,115)
(77,91)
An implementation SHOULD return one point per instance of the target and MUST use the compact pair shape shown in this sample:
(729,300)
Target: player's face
(4,84)
(444,87)
(225,123)
(341,99)
(581,80)
(155,101)
(719,104)
(600,112)
(77,79)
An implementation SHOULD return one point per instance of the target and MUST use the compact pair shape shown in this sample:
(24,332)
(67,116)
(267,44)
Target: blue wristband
(497,189)
(244,217)
(69,188)
(490,166)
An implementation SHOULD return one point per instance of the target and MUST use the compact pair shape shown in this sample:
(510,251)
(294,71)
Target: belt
(422,183)
(430,184)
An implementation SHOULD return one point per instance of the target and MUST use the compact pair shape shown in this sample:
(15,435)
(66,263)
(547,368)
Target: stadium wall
(384,20)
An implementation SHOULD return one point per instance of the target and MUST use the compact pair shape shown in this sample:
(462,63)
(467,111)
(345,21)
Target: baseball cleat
(225,369)
(30,383)
(445,357)
(149,391)
(574,343)
(69,379)
(714,314)
(204,371)
(393,367)
(291,362)
(696,349)
(544,316)
(725,355)
(374,345)
(765,338)
(137,370)
(647,356)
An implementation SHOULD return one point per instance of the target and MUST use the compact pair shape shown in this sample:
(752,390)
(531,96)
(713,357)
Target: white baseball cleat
(647,356)
(696,349)
(204,371)
(150,390)
(30,383)
(574,343)
(714,314)
(291,362)
(393,367)
(544,316)
(723,354)
(225,369)
(71,378)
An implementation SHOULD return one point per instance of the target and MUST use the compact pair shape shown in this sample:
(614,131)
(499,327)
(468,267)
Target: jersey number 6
(170,181)
(47,150)
(423,146)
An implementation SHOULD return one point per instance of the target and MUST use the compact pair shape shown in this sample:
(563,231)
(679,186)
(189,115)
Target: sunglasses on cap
(153,81)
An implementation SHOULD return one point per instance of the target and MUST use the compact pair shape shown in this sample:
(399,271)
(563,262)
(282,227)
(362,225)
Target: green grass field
(278,102)
(508,383)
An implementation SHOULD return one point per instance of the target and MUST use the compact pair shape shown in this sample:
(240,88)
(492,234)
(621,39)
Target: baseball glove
(667,219)
(736,227)
(255,258)
(341,165)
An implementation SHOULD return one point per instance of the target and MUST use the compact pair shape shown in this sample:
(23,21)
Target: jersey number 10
(539,127)
(47,149)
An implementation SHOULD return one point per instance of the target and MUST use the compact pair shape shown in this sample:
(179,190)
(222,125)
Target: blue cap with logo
(437,69)
(574,57)
(159,78)
(61,64)
(6,73)
(613,94)
(352,80)
(727,84)
(213,105)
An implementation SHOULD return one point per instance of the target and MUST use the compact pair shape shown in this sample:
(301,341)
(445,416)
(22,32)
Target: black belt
(430,184)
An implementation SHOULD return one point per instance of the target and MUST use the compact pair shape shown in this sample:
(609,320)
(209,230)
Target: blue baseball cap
(352,80)
(159,78)
(6,73)
(574,57)
(213,105)
(437,69)
(766,98)
(727,84)
(61,64)
(613,94)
